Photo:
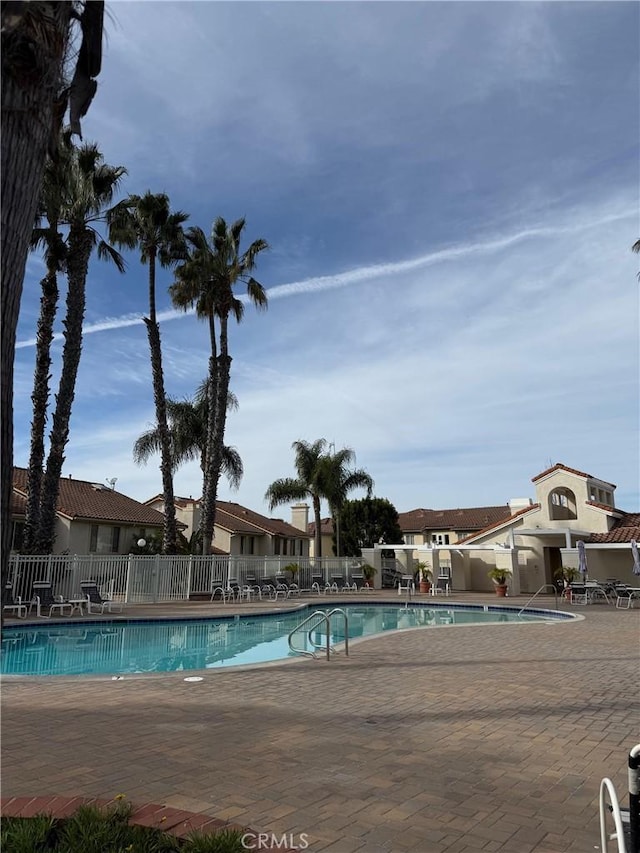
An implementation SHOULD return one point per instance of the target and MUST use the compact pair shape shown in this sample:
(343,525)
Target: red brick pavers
(446,740)
(176,822)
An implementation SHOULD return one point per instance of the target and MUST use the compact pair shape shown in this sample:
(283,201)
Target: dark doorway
(552,564)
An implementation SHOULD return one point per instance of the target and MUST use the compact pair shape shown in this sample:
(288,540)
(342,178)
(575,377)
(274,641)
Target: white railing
(142,579)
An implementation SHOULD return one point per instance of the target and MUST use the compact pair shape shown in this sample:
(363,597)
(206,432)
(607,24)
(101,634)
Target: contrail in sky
(362,274)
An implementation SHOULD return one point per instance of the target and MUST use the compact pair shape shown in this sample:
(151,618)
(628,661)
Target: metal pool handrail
(320,616)
(544,586)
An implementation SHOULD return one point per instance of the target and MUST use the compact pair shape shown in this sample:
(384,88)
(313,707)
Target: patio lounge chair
(579,594)
(217,588)
(95,598)
(338,583)
(441,586)
(233,591)
(318,584)
(43,599)
(406,584)
(624,596)
(14,602)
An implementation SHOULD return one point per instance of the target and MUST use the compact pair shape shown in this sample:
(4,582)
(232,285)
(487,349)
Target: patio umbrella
(636,557)
(582,559)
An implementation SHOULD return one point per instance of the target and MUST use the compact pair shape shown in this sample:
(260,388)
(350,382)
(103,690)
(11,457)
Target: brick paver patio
(456,739)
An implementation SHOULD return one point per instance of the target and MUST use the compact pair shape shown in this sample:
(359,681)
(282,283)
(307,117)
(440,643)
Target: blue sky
(450,191)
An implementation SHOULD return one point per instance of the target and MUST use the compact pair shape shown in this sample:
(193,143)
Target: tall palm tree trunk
(32,59)
(210,490)
(80,245)
(40,399)
(169,537)
(317,539)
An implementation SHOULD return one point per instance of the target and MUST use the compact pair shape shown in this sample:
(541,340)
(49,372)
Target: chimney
(518,504)
(300,517)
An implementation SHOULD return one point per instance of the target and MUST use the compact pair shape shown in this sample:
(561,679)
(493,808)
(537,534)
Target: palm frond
(232,467)
(284,491)
(146,445)
(257,294)
(106,252)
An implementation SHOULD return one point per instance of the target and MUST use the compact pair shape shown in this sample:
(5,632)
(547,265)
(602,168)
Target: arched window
(562,504)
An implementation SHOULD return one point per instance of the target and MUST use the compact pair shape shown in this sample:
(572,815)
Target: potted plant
(565,576)
(500,578)
(424,574)
(293,569)
(369,573)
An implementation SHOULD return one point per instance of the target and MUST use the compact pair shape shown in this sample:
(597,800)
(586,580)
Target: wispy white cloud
(451,198)
(364,274)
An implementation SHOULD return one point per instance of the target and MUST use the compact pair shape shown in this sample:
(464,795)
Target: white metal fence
(134,579)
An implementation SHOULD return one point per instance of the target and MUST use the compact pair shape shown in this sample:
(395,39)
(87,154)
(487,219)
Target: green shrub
(94,830)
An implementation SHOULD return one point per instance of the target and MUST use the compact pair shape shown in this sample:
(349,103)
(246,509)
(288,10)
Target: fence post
(156,579)
(189,575)
(75,582)
(127,579)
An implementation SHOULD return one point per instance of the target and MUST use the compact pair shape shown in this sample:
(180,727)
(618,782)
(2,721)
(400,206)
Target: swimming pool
(142,646)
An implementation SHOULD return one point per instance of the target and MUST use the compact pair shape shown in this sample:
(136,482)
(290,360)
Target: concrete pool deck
(452,740)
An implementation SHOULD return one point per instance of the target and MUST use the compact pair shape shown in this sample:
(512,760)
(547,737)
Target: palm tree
(337,480)
(308,485)
(90,189)
(205,281)
(188,434)
(35,41)
(46,235)
(146,222)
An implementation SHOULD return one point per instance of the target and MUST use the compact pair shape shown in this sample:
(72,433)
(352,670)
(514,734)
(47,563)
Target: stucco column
(507,559)
(431,558)
(569,558)
(373,556)
(405,558)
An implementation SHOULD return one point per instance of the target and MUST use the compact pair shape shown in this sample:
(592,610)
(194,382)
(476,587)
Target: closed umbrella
(636,557)
(582,559)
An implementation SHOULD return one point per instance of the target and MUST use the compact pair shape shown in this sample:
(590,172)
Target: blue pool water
(130,646)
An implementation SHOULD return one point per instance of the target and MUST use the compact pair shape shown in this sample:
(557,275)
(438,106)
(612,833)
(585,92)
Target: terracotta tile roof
(238,519)
(499,523)
(84,500)
(560,467)
(469,518)
(624,530)
(326,527)
(604,506)
(18,504)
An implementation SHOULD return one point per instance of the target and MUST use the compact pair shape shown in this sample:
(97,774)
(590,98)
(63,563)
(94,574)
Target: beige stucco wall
(588,518)
(74,537)
(326,544)
(604,563)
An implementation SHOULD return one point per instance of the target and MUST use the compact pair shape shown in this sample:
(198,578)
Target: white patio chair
(14,602)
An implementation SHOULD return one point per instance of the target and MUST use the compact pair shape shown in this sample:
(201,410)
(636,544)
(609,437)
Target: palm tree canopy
(188,437)
(85,187)
(338,480)
(146,222)
(206,280)
(308,483)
